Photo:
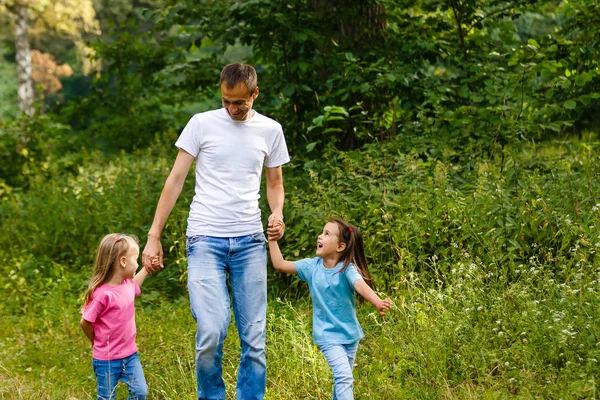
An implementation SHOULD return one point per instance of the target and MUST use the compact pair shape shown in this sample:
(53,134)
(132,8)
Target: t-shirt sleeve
(189,140)
(278,154)
(136,288)
(94,308)
(352,274)
(303,268)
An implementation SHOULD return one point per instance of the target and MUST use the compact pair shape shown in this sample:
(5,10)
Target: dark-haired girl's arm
(278,261)
(365,291)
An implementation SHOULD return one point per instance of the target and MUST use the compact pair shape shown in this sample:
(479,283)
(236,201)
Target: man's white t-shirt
(229,160)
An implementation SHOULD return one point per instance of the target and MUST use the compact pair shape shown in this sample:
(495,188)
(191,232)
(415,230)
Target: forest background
(460,136)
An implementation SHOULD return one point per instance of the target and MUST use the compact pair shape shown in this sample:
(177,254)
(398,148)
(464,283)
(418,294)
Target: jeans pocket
(258,238)
(193,240)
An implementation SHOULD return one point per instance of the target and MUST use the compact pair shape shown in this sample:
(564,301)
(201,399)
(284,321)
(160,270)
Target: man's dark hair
(233,74)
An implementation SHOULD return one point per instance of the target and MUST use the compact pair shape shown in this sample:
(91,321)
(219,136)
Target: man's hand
(275,227)
(152,257)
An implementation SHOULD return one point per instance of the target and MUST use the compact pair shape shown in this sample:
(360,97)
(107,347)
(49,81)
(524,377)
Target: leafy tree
(129,101)
(34,17)
(463,71)
(8,86)
(300,71)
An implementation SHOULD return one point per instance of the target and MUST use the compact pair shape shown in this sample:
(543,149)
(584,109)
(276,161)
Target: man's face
(238,100)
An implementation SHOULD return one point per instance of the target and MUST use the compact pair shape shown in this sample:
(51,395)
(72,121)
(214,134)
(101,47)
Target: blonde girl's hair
(354,253)
(112,247)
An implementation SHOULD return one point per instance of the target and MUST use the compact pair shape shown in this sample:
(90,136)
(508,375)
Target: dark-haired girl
(339,270)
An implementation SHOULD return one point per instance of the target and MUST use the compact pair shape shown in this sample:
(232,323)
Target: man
(225,234)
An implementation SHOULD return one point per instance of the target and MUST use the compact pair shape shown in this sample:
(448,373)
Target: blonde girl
(109,316)
(333,276)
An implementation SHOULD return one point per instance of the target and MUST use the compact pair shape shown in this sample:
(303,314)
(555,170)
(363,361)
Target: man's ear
(255,93)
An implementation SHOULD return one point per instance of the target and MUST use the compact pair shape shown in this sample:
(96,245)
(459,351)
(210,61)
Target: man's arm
(88,329)
(152,257)
(275,197)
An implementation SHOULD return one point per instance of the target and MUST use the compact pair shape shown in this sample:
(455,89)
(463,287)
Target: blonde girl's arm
(277,259)
(140,276)
(88,329)
(365,291)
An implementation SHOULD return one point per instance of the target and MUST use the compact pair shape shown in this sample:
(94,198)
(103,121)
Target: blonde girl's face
(130,261)
(328,242)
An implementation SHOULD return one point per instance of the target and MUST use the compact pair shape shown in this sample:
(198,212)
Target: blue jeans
(244,259)
(128,370)
(341,360)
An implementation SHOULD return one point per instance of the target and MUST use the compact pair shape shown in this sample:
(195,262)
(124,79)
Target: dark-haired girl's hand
(383,306)
(275,229)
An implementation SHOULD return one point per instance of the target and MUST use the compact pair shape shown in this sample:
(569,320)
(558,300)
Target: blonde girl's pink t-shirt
(112,314)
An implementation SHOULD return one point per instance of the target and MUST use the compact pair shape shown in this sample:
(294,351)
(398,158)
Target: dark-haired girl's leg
(340,358)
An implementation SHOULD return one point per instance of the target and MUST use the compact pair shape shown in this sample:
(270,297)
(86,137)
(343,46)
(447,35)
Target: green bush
(36,146)
(61,217)
(491,265)
(417,207)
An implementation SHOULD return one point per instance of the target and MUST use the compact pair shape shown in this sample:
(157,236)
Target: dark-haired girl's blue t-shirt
(332,294)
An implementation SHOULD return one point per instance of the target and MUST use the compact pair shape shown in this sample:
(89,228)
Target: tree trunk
(354,27)
(23,56)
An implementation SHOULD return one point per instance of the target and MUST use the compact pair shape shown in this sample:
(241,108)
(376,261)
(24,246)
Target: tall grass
(472,337)
(491,264)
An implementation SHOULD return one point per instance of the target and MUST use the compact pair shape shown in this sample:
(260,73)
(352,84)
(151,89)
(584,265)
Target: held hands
(152,257)
(383,305)
(275,227)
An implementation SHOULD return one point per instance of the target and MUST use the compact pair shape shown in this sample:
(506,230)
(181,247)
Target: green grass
(491,264)
(473,337)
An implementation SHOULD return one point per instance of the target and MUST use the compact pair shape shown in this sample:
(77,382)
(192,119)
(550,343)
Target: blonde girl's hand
(383,306)
(152,256)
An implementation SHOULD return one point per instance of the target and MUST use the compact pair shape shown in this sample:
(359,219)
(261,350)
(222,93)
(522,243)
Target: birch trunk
(23,58)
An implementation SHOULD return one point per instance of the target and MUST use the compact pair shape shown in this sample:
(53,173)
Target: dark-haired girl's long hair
(354,253)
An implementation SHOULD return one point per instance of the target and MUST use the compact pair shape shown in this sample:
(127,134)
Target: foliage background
(461,138)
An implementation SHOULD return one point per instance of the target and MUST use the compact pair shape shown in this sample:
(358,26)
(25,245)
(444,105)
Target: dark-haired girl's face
(328,242)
